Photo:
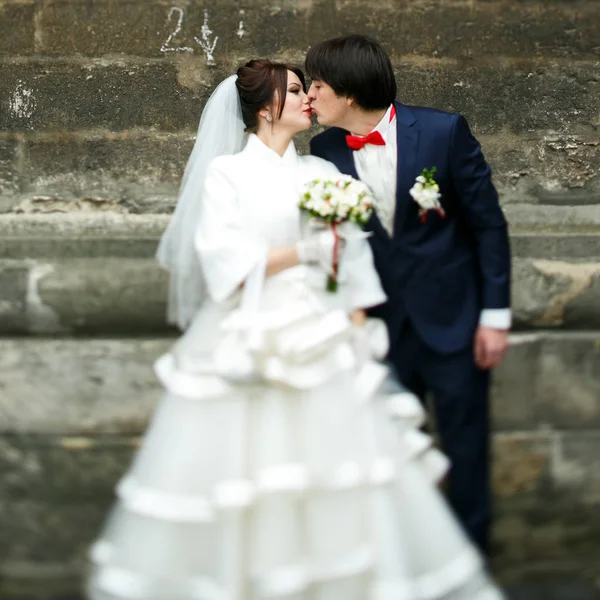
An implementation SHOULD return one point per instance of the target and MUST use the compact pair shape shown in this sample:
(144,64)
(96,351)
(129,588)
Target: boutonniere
(426,193)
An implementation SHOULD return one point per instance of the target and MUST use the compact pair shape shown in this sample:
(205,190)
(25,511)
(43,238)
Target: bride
(282,462)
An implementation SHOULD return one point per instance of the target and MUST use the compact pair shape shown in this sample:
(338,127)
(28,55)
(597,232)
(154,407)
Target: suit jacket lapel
(346,161)
(407,130)
(374,225)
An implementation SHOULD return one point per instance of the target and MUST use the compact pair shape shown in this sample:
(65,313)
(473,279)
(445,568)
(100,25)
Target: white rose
(429,198)
(415,191)
(326,209)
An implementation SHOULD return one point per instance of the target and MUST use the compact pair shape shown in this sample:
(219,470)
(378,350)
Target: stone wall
(100,99)
(99,102)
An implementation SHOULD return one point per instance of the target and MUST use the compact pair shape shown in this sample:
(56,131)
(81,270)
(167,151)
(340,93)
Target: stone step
(72,412)
(77,386)
(112,295)
(545,243)
(138,170)
(569,233)
(95,273)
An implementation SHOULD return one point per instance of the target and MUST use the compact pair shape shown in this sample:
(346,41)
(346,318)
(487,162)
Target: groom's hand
(490,346)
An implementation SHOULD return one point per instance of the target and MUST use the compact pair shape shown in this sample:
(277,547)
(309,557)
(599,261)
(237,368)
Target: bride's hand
(358,317)
(370,339)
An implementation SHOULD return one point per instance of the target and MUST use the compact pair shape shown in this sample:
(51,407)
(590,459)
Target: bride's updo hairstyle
(260,84)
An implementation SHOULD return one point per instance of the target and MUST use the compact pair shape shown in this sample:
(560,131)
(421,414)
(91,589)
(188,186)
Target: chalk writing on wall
(166,47)
(205,42)
(240,31)
(22,103)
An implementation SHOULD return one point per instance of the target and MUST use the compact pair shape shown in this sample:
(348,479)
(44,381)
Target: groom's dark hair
(355,66)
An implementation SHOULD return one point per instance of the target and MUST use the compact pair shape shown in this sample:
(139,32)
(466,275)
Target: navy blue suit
(438,276)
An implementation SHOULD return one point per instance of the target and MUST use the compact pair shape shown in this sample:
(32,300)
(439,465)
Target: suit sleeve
(472,181)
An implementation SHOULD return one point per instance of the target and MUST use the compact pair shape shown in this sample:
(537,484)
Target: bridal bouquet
(333,202)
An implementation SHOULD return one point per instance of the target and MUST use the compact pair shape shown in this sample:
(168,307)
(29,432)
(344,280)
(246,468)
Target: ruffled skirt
(302,483)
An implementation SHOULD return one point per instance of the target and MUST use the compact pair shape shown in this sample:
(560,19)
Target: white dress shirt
(377,167)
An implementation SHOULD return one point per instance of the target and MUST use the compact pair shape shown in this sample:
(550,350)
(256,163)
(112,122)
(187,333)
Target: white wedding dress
(283,462)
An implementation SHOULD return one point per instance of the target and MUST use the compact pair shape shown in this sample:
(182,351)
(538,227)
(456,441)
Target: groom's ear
(350,102)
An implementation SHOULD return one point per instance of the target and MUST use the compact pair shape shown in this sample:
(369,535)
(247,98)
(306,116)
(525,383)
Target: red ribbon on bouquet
(332,279)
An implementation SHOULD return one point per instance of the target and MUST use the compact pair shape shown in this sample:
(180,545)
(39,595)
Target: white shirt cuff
(496,318)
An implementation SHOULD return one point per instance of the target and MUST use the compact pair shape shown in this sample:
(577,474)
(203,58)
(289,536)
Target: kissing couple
(286,459)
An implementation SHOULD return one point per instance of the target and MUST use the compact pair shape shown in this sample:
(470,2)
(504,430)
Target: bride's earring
(269,118)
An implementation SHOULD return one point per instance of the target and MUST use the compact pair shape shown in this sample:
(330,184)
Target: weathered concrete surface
(65,95)
(80,226)
(55,493)
(58,491)
(95,271)
(79,72)
(139,170)
(131,168)
(98,110)
(72,412)
(134,302)
(549,381)
(552,293)
(538,218)
(575,247)
(112,295)
(9,175)
(68,434)
(100,102)
(66,386)
(69,95)
(17,27)
(557,233)
(13,283)
(84,295)
(559,581)
(457,29)
(531,466)
(548,167)
(549,96)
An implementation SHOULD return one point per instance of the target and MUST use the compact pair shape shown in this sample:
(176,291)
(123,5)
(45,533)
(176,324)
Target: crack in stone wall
(580,276)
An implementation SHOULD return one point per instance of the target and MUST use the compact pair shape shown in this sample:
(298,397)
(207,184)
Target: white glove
(370,341)
(317,249)
(378,338)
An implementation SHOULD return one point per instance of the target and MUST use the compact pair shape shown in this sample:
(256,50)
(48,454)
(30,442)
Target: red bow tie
(357,142)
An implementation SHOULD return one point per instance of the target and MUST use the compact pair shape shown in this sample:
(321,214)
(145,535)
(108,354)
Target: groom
(445,266)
